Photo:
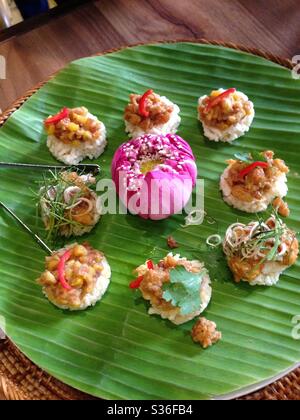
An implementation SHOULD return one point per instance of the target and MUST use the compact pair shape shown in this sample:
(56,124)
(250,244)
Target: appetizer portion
(251,182)
(177,289)
(154,175)
(75,134)
(68,206)
(76,277)
(225,114)
(205,333)
(260,252)
(151,113)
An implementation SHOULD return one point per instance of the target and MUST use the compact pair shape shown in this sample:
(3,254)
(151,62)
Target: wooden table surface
(272,25)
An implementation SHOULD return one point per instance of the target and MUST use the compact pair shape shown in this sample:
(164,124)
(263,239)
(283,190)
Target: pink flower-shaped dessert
(154,175)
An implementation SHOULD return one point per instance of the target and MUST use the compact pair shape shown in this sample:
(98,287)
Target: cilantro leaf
(258,157)
(250,157)
(243,157)
(183,290)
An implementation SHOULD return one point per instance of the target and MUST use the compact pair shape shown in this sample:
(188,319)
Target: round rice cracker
(95,296)
(71,155)
(279,189)
(231,133)
(169,127)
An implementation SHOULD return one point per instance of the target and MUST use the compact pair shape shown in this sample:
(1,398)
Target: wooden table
(272,25)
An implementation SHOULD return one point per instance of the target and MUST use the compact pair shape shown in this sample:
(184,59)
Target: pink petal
(166,189)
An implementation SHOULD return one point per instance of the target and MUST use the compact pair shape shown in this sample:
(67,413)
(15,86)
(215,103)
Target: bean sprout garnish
(263,241)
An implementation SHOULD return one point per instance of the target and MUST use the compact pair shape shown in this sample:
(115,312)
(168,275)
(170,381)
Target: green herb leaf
(250,157)
(258,157)
(243,157)
(183,290)
(56,206)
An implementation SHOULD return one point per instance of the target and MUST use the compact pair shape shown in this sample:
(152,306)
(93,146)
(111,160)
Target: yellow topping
(73,127)
(79,251)
(50,129)
(150,165)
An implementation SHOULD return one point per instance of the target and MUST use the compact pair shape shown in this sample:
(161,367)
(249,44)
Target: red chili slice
(250,168)
(64,113)
(215,101)
(61,270)
(135,284)
(150,265)
(143,102)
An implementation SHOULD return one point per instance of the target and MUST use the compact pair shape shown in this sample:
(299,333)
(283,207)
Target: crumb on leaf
(281,206)
(172,243)
(205,333)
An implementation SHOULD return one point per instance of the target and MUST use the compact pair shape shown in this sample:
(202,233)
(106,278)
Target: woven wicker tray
(20,379)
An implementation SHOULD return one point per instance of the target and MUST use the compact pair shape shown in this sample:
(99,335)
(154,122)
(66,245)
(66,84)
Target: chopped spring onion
(86,211)
(190,220)
(214,241)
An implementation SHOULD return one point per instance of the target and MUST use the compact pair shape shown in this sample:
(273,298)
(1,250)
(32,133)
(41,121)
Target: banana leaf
(116,350)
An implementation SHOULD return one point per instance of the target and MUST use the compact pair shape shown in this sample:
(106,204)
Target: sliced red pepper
(250,168)
(135,284)
(61,270)
(64,113)
(143,102)
(150,265)
(215,101)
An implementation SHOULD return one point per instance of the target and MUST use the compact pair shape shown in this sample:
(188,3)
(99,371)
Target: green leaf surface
(116,350)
